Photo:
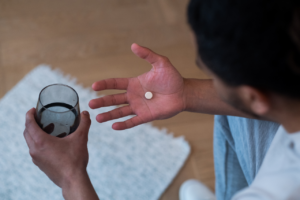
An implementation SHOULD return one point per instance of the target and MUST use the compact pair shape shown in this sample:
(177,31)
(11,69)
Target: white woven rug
(135,164)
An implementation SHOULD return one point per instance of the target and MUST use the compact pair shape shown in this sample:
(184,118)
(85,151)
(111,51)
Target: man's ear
(258,101)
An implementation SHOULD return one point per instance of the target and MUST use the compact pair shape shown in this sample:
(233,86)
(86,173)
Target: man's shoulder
(279,175)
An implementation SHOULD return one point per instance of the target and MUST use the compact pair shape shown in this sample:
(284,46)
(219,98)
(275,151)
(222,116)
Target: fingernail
(85,113)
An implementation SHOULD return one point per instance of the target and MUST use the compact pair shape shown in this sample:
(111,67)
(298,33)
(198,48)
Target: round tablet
(148,95)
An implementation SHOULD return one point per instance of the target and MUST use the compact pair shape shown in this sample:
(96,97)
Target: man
(250,48)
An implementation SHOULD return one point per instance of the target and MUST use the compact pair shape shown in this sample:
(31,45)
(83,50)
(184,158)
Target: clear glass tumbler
(57,110)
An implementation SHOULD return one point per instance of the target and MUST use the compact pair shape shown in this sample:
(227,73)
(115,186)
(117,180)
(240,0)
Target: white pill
(148,95)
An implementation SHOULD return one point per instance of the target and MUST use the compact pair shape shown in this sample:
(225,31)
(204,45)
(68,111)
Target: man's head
(251,48)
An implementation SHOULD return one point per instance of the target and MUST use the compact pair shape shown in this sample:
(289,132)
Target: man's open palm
(163,80)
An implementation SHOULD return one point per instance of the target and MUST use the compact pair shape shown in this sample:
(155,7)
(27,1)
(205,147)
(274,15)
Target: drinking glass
(57,110)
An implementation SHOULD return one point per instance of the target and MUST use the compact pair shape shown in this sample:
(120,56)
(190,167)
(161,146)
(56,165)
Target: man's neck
(288,114)
(292,126)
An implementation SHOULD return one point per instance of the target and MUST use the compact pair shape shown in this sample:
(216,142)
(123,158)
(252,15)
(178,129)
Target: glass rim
(58,84)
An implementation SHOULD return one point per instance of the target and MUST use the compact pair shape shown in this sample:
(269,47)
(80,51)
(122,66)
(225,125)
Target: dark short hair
(250,42)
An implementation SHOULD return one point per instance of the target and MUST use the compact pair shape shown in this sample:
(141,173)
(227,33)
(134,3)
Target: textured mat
(134,164)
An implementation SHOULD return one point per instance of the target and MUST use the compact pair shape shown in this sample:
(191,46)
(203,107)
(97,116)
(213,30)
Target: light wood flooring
(90,40)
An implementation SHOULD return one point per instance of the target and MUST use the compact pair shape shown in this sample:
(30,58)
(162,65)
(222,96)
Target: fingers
(85,123)
(30,143)
(110,100)
(128,123)
(115,114)
(153,58)
(29,140)
(112,83)
(35,132)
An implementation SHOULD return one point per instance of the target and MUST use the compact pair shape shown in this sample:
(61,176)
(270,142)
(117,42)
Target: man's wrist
(188,92)
(199,96)
(74,180)
(79,187)
(185,87)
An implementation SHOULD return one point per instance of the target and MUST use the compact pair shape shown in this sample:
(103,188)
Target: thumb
(153,58)
(85,123)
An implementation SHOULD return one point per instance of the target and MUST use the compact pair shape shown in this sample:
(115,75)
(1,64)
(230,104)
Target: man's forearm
(79,188)
(201,97)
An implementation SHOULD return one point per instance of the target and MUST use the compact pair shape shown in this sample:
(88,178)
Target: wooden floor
(90,40)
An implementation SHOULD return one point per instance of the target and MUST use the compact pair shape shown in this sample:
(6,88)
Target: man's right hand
(163,80)
(63,160)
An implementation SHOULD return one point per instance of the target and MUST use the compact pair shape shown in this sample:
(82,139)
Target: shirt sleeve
(253,194)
